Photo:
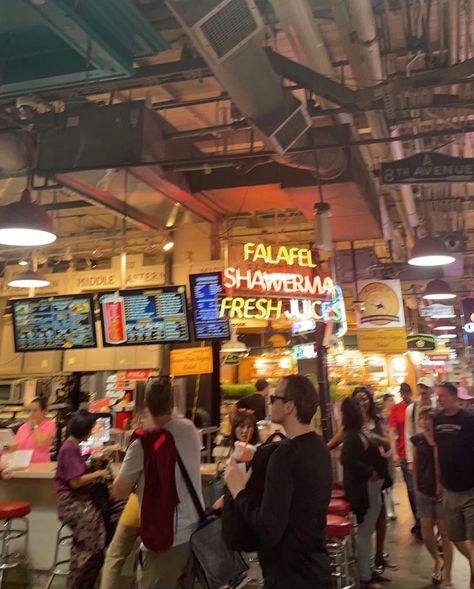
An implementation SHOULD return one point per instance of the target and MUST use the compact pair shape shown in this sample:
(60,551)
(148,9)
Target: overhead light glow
(438,290)
(23,262)
(25,223)
(447,336)
(29,279)
(430,251)
(168,245)
(442,315)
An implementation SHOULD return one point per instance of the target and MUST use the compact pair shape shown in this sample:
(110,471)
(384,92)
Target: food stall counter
(35,485)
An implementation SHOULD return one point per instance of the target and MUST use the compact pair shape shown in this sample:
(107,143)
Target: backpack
(160,496)
(235,532)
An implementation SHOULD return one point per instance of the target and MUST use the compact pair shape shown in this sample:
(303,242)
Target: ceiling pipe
(366,64)
(308,44)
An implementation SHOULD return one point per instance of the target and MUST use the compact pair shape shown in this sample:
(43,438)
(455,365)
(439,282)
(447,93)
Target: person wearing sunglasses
(291,519)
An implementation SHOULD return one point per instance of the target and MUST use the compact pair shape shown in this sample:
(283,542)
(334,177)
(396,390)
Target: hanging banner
(428,168)
(467,306)
(383,304)
(421,342)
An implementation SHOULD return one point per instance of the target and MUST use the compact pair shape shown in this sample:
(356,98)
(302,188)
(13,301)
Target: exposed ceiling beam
(174,187)
(110,202)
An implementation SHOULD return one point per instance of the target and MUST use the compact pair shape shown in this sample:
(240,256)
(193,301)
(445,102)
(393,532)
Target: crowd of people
(278,503)
(432,441)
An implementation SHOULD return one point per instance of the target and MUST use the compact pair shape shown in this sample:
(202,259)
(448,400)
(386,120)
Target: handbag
(215,566)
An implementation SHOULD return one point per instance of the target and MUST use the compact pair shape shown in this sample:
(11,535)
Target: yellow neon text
(267,308)
(282,255)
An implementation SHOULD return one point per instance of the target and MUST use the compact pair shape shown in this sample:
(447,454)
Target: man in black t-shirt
(257,403)
(290,521)
(454,436)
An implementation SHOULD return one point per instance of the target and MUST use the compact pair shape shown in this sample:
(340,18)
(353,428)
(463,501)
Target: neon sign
(325,300)
(290,256)
(277,282)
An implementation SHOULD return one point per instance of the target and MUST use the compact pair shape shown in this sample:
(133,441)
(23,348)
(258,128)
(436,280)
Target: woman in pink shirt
(37,433)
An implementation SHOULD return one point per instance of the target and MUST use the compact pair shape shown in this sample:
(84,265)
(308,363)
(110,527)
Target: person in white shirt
(412,424)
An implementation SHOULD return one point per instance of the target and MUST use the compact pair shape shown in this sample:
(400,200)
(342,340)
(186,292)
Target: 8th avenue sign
(428,168)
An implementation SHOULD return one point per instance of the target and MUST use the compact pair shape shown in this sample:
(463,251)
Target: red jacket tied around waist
(160,496)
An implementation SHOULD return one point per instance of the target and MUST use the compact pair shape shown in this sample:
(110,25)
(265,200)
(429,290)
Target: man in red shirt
(397,440)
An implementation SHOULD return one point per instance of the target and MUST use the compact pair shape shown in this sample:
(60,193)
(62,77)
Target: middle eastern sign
(467,306)
(428,168)
(421,342)
(437,311)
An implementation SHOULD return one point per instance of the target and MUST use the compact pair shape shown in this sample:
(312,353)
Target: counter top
(47,470)
(37,470)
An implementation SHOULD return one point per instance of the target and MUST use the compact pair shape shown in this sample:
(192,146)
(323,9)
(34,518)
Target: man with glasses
(454,437)
(291,519)
(167,512)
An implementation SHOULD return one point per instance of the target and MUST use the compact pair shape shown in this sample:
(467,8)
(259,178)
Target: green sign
(421,342)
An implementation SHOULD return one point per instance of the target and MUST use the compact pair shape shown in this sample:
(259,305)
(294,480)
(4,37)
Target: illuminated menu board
(54,323)
(206,290)
(137,317)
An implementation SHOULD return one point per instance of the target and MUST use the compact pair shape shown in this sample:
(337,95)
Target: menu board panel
(54,323)
(151,316)
(206,290)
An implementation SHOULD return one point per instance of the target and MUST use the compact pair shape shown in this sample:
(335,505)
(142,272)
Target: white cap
(425,381)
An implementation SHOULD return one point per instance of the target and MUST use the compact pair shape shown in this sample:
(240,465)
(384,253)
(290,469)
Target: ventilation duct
(226,34)
(15,154)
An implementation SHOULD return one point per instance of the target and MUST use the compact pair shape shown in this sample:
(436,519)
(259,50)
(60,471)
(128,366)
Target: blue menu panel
(206,291)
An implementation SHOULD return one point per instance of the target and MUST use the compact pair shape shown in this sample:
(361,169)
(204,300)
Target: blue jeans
(409,483)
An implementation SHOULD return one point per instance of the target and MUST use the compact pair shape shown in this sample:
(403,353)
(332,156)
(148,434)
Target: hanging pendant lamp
(443,325)
(438,290)
(25,223)
(430,251)
(29,279)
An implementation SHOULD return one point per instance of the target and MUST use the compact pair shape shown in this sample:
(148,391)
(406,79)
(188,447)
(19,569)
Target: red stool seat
(338,485)
(339,507)
(337,526)
(14,509)
(338,494)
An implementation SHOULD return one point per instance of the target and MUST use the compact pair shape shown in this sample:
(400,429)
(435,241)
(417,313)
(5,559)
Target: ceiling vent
(227,27)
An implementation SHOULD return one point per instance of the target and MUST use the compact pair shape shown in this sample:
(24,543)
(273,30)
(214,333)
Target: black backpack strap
(191,489)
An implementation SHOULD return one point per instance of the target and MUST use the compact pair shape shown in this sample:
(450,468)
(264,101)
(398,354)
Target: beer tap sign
(280,282)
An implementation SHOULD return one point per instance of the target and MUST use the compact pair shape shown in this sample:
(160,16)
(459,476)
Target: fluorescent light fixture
(29,279)
(438,290)
(447,336)
(430,251)
(25,223)
(23,262)
(445,315)
(168,245)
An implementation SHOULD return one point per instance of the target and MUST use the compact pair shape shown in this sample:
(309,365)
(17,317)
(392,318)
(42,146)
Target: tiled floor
(415,565)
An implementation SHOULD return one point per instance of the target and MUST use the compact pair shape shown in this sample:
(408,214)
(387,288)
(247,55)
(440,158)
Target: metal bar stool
(338,543)
(60,567)
(343,508)
(9,511)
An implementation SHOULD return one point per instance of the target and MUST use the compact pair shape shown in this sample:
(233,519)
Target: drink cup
(244,452)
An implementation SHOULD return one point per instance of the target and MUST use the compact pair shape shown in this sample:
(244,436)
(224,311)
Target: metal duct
(14,155)
(225,32)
